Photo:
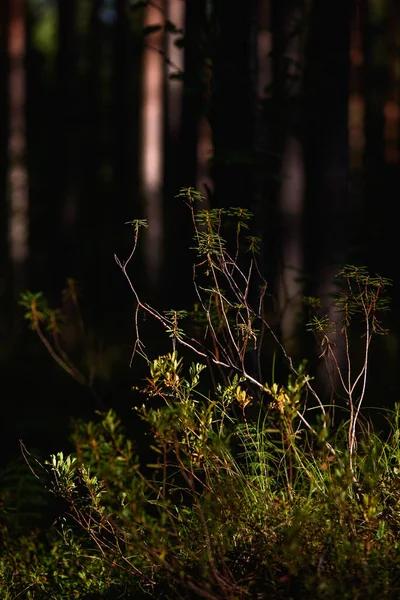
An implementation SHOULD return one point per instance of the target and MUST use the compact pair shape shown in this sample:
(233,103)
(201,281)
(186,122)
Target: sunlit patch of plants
(245,488)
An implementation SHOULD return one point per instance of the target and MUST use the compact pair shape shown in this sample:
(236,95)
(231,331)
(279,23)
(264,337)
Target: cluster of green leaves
(67,338)
(360,295)
(46,566)
(38,312)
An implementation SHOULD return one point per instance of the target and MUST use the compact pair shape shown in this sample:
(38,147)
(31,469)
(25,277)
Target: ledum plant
(362,297)
(242,471)
(234,322)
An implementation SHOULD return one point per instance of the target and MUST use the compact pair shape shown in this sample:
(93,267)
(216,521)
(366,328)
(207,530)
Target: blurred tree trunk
(392,155)
(195,100)
(63,210)
(123,162)
(4,262)
(17,175)
(185,164)
(175,13)
(382,167)
(233,103)
(204,139)
(376,83)
(122,116)
(175,175)
(152,144)
(263,80)
(93,140)
(327,93)
(68,104)
(289,46)
(356,213)
(197,146)
(174,68)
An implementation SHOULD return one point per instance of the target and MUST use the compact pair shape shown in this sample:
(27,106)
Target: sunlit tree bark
(17,178)
(152,123)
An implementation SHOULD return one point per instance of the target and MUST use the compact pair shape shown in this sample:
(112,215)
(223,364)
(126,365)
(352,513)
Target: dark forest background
(107,107)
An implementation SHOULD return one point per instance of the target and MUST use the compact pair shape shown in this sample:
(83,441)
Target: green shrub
(249,490)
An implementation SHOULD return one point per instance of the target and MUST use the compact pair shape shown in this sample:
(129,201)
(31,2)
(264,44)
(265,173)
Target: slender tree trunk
(67,73)
(122,100)
(263,78)
(327,93)
(93,141)
(356,136)
(17,176)
(289,61)
(4,102)
(4,256)
(327,136)
(183,166)
(376,78)
(174,85)
(175,65)
(382,165)
(204,140)
(152,156)
(176,268)
(196,134)
(232,115)
(62,214)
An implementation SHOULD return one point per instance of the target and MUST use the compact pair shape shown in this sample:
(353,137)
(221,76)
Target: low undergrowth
(246,488)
